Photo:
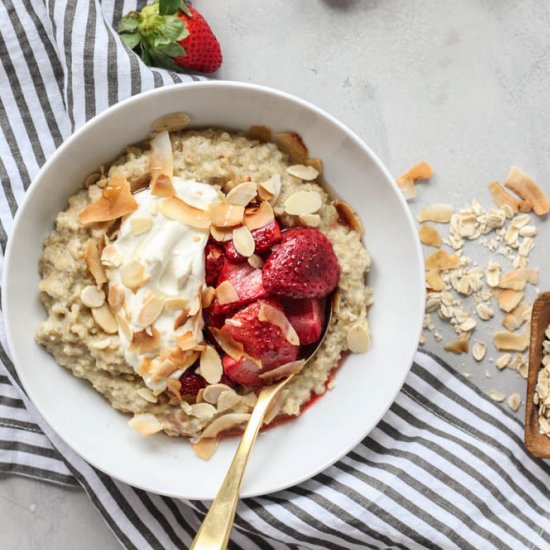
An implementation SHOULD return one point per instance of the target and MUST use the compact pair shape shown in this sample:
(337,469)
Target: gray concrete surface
(463,85)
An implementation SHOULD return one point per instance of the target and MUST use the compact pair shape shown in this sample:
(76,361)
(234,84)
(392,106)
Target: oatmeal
(156,270)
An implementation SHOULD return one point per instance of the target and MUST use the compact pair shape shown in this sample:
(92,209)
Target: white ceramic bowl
(365,386)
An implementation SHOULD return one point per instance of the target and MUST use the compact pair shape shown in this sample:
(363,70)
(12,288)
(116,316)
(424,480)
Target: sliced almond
(479,350)
(284,371)
(303,202)
(150,311)
(177,210)
(269,190)
(429,235)
(110,257)
(358,338)
(250,399)
(516,317)
(93,262)
(525,187)
(172,122)
(458,346)
(310,220)
(510,341)
(147,394)
(496,395)
(243,241)
(233,323)
(92,296)
(277,317)
(514,401)
(105,319)
(205,448)
(211,365)
(145,424)
(256,261)
(124,327)
(143,342)
(204,411)
(102,344)
(227,400)
(242,194)
(141,224)
(161,165)
(226,293)
(213,392)
(434,280)
(348,216)
(440,213)
(116,201)
(132,275)
(208,295)
(223,423)
(259,217)
(518,278)
(233,348)
(220,234)
(175,302)
(292,144)
(306,173)
(509,299)
(442,260)
(502,198)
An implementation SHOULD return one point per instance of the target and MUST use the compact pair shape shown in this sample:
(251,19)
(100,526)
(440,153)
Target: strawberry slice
(307,317)
(303,265)
(246,280)
(214,259)
(261,339)
(244,371)
(264,239)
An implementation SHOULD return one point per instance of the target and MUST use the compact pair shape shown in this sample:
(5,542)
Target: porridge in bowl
(198,268)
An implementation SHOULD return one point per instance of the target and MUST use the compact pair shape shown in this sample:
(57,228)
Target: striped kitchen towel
(445,468)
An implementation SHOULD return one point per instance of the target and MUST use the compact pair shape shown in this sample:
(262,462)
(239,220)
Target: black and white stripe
(445,468)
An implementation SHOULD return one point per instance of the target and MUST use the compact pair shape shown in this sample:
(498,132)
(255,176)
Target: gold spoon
(216,526)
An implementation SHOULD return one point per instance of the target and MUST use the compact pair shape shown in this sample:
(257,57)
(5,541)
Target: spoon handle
(216,526)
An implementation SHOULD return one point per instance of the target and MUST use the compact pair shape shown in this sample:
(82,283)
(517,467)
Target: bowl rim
(221,84)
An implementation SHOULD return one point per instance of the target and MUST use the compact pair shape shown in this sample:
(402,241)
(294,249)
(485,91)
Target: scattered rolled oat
(503,361)
(510,341)
(440,213)
(541,396)
(514,401)
(479,350)
(495,395)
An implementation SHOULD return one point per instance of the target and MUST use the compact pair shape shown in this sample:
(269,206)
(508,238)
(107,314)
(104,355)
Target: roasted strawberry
(191,383)
(307,317)
(244,371)
(264,239)
(247,282)
(214,259)
(303,265)
(261,339)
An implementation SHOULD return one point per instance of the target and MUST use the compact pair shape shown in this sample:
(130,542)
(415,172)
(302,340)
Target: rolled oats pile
(541,396)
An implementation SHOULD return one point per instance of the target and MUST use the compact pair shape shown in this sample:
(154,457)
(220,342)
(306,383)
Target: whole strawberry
(173,35)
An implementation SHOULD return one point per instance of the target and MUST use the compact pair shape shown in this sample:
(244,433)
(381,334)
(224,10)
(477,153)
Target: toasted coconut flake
(517,317)
(147,394)
(92,296)
(105,319)
(177,210)
(440,213)
(172,122)
(208,295)
(110,257)
(182,359)
(242,194)
(226,215)
(227,400)
(233,348)
(205,448)
(479,350)
(525,187)
(256,261)
(141,224)
(458,346)
(310,220)
(132,275)
(284,371)
(204,411)
(358,338)
(496,395)
(406,181)
(93,262)
(276,317)
(226,293)
(213,392)
(442,260)
(303,202)
(181,319)
(162,369)
(175,302)
(243,241)
(349,216)
(502,198)
(514,401)
(150,311)
(161,165)
(292,144)
(223,423)
(211,365)
(269,190)
(258,217)
(143,342)
(510,341)
(509,299)
(261,133)
(518,278)
(186,341)
(306,173)
(145,424)
(429,235)
(116,201)
(434,280)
